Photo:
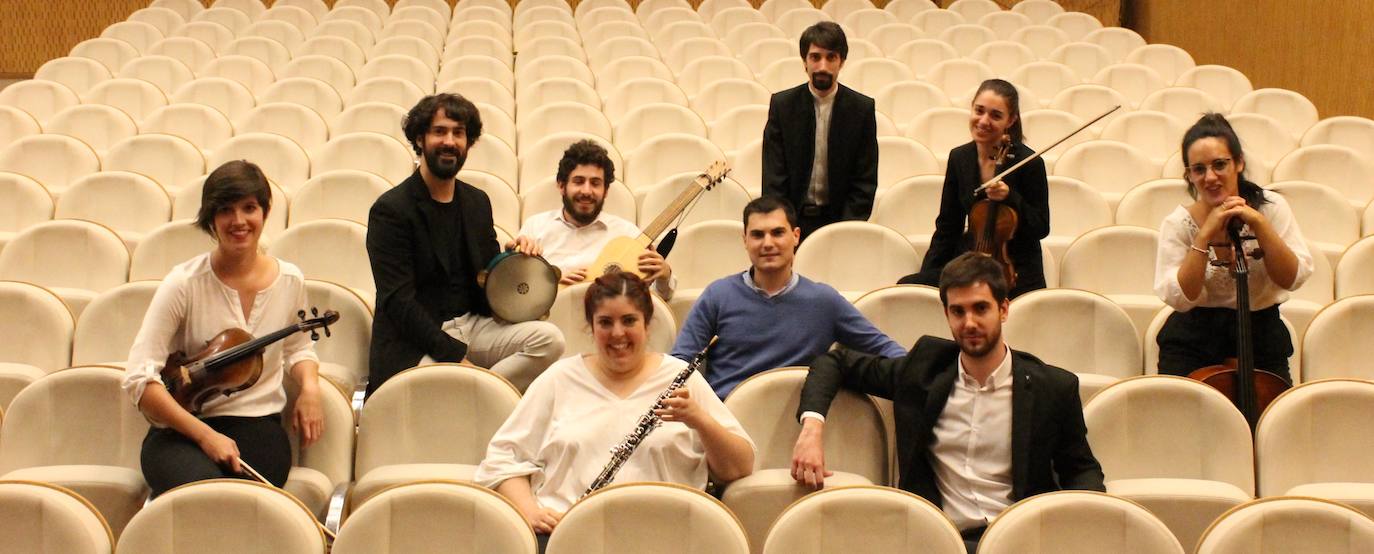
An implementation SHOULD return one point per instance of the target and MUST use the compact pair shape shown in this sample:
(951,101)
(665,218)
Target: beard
(991,341)
(441,168)
(580,217)
(822,80)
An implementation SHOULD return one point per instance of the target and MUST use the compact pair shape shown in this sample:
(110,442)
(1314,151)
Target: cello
(1249,388)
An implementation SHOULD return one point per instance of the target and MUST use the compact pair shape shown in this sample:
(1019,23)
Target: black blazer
(410,264)
(1029,196)
(789,145)
(1049,449)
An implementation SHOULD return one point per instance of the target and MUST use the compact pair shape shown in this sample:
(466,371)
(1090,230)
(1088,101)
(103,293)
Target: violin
(994,223)
(230,362)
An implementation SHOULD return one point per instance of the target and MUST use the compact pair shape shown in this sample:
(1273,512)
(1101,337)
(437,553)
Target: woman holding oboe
(558,439)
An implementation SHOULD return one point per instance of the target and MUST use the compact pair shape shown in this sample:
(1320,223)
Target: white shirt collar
(600,219)
(827,99)
(1000,377)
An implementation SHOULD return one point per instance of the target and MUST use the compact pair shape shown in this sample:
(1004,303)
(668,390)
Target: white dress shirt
(819,190)
(1176,236)
(192,305)
(561,433)
(571,247)
(971,455)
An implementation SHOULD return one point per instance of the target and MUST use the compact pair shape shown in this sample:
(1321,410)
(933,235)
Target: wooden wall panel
(36,31)
(1314,47)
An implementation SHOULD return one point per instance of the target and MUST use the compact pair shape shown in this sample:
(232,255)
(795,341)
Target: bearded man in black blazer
(979,425)
(820,145)
(427,239)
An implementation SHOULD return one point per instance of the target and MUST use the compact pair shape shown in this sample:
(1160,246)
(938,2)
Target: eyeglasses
(1218,166)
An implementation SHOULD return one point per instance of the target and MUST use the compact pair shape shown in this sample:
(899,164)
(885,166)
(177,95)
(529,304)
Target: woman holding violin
(234,286)
(1192,269)
(1009,217)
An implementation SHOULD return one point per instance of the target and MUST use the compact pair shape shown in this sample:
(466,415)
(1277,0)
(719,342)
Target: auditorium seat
(1352,273)
(1109,349)
(1289,524)
(1263,135)
(1005,23)
(229,97)
(54,161)
(135,97)
(724,201)
(907,9)
(400,66)
(340,46)
(473,68)
(1042,39)
(322,471)
(773,9)
(1110,167)
(764,52)
(553,65)
(97,125)
(112,53)
(212,34)
(1044,79)
(373,152)
(303,125)
(27,203)
(339,194)
(1223,83)
(331,250)
(668,154)
(934,22)
(883,519)
(435,15)
(492,155)
(283,161)
(401,92)
(41,254)
(781,74)
(1119,41)
(1085,58)
(556,117)
(1077,521)
(900,158)
(1147,204)
(109,325)
(129,204)
(890,37)
(306,91)
(38,98)
(959,76)
(246,70)
(316,8)
(794,21)
(1174,445)
(840,10)
(343,356)
(905,313)
(709,9)
(856,446)
(505,203)
(1044,126)
(1325,216)
(891,256)
(1133,81)
(165,72)
(1294,111)
(436,517)
(639,517)
(1077,209)
(1329,345)
(940,130)
(166,246)
(1185,103)
(270,52)
(909,207)
(1351,131)
(40,329)
(94,450)
(187,8)
(299,17)
(904,101)
(1156,134)
(47,518)
(1346,170)
(252,8)
(16,124)
(738,127)
(411,428)
(569,315)
(486,89)
(223,516)
(1118,262)
(615,48)
(79,74)
(703,255)
(1310,442)
(378,9)
(531,31)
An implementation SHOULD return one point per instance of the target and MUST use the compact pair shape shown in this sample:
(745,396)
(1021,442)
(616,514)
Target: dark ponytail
(1214,125)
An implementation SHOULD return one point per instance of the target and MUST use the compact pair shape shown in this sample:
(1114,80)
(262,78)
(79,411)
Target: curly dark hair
(416,123)
(228,184)
(586,152)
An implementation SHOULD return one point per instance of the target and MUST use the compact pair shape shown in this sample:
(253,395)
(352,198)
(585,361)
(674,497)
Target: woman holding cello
(1192,269)
(1009,217)
(234,286)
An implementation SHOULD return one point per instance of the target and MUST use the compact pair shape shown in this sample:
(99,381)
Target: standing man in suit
(820,145)
(979,425)
(427,238)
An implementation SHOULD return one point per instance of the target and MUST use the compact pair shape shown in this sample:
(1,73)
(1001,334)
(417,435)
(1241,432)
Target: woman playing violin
(1202,330)
(235,285)
(995,126)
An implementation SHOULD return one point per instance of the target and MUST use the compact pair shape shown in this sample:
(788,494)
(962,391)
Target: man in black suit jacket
(956,445)
(427,239)
(840,184)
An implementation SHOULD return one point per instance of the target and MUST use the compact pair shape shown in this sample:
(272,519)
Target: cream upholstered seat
(1156,134)
(339,194)
(16,124)
(1110,167)
(639,91)
(699,259)
(186,8)
(1117,262)
(343,357)
(382,117)
(47,518)
(905,313)
(645,518)
(230,97)
(1078,209)
(1225,84)
(329,249)
(1293,110)
(373,152)
(93,450)
(435,517)
(569,315)
(910,207)
(169,160)
(396,90)
(649,120)
(399,66)
(856,446)
(1330,344)
(1147,204)
(110,323)
(1073,522)
(1345,130)
(328,69)
(724,201)
(1107,345)
(890,257)
(723,95)
(1346,170)
(344,43)
(1313,441)
(321,472)
(27,203)
(284,162)
(97,125)
(412,429)
(939,129)
(1353,271)
(494,156)
(556,117)
(1289,524)
(884,520)
(1174,445)
(223,516)
(900,158)
(78,73)
(55,161)
(167,246)
(310,92)
(128,203)
(505,203)
(1327,219)
(293,120)
(39,328)
(42,254)
(666,155)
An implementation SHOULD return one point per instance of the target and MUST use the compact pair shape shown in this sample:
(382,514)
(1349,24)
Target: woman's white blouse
(1176,235)
(561,433)
(192,305)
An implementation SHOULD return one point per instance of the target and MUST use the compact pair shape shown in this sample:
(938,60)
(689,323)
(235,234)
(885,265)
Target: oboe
(647,423)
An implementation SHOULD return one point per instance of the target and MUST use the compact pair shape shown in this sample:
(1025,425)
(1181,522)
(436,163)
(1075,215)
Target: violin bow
(249,471)
(1028,159)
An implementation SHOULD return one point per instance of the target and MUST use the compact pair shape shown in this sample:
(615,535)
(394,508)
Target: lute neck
(666,217)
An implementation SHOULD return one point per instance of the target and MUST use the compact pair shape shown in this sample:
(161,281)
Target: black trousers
(170,459)
(1202,337)
(810,218)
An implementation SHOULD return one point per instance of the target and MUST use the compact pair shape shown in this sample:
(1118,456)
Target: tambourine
(519,287)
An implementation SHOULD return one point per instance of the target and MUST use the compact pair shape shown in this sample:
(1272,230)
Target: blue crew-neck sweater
(758,333)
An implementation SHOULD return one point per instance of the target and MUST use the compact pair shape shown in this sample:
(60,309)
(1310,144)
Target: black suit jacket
(1029,196)
(410,264)
(1049,448)
(789,144)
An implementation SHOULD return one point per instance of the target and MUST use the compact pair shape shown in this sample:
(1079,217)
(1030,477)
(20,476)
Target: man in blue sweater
(769,316)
